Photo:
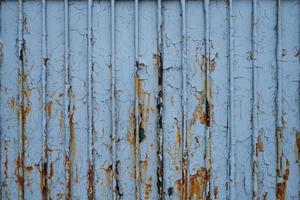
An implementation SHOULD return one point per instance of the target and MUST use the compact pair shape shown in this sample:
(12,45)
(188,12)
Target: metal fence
(150,99)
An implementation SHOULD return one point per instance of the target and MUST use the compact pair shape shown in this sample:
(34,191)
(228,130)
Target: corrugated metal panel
(150,99)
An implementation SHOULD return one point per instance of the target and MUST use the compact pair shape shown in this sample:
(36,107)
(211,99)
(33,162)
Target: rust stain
(20,174)
(201,61)
(62,122)
(178,135)
(198,183)
(265,196)
(148,188)
(91,181)
(260,145)
(216,192)
(281,191)
(68,177)
(51,171)
(144,163)
(72,134)
(43,180)
(281,186)
(5,162)
(298,146)
(26,110)
(49,109)
(131,129)
(199,112)
(108,173)
(144,107)
(29,169)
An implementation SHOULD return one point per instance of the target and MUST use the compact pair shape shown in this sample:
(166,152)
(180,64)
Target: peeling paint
(91,181)
(198,183)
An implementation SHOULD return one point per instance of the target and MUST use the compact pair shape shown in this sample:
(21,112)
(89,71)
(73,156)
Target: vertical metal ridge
(254,99)
(136,110)
(21,51)
(1,49)
(90,104)
(207,93)
(231,133)
(67,102)
(185,176)
(279,106)
(159,61)
(115,189)
(45,116)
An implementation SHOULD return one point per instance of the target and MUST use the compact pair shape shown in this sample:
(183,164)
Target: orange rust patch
(148,188)
(68,181)
(51,171)
(281,191)
(20,180)
(29,169)
(216,192)
(62,122)
(260,144)
(144,107)
(43,180)
(20,170)
(26,110)
(131,128)
(298,142)
(178,135)
(108,172)
(91,181)
(281,187)
(198,183)
(49,109)
(72,135)
(145,163)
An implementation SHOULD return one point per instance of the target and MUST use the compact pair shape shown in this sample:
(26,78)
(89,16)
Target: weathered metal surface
(150,99)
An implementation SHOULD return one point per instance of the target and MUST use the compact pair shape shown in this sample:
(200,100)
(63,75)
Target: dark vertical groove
(137,116)
(115,173)
(185,176)
(21,111)
(254,100)
(231,134)
(1,54)
(90,106)
(68,116)
(159,65)
(208,97)
(45,116)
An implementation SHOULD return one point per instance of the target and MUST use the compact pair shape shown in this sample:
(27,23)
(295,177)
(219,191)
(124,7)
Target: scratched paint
(150,99)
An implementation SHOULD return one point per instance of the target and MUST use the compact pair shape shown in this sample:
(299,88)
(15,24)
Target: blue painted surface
(79,99)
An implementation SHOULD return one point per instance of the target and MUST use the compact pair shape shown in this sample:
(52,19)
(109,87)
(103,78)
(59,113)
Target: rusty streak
(198,183)
(91,181)
(159,65)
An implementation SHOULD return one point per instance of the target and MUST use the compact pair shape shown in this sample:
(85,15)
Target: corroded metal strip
(281,178)
(254,99)
(45,116)
(115,185)
(160,186)
(68,118)
(185,176)
(90,113)
(208,98)
(22,110)
(137,107)
(231,133)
